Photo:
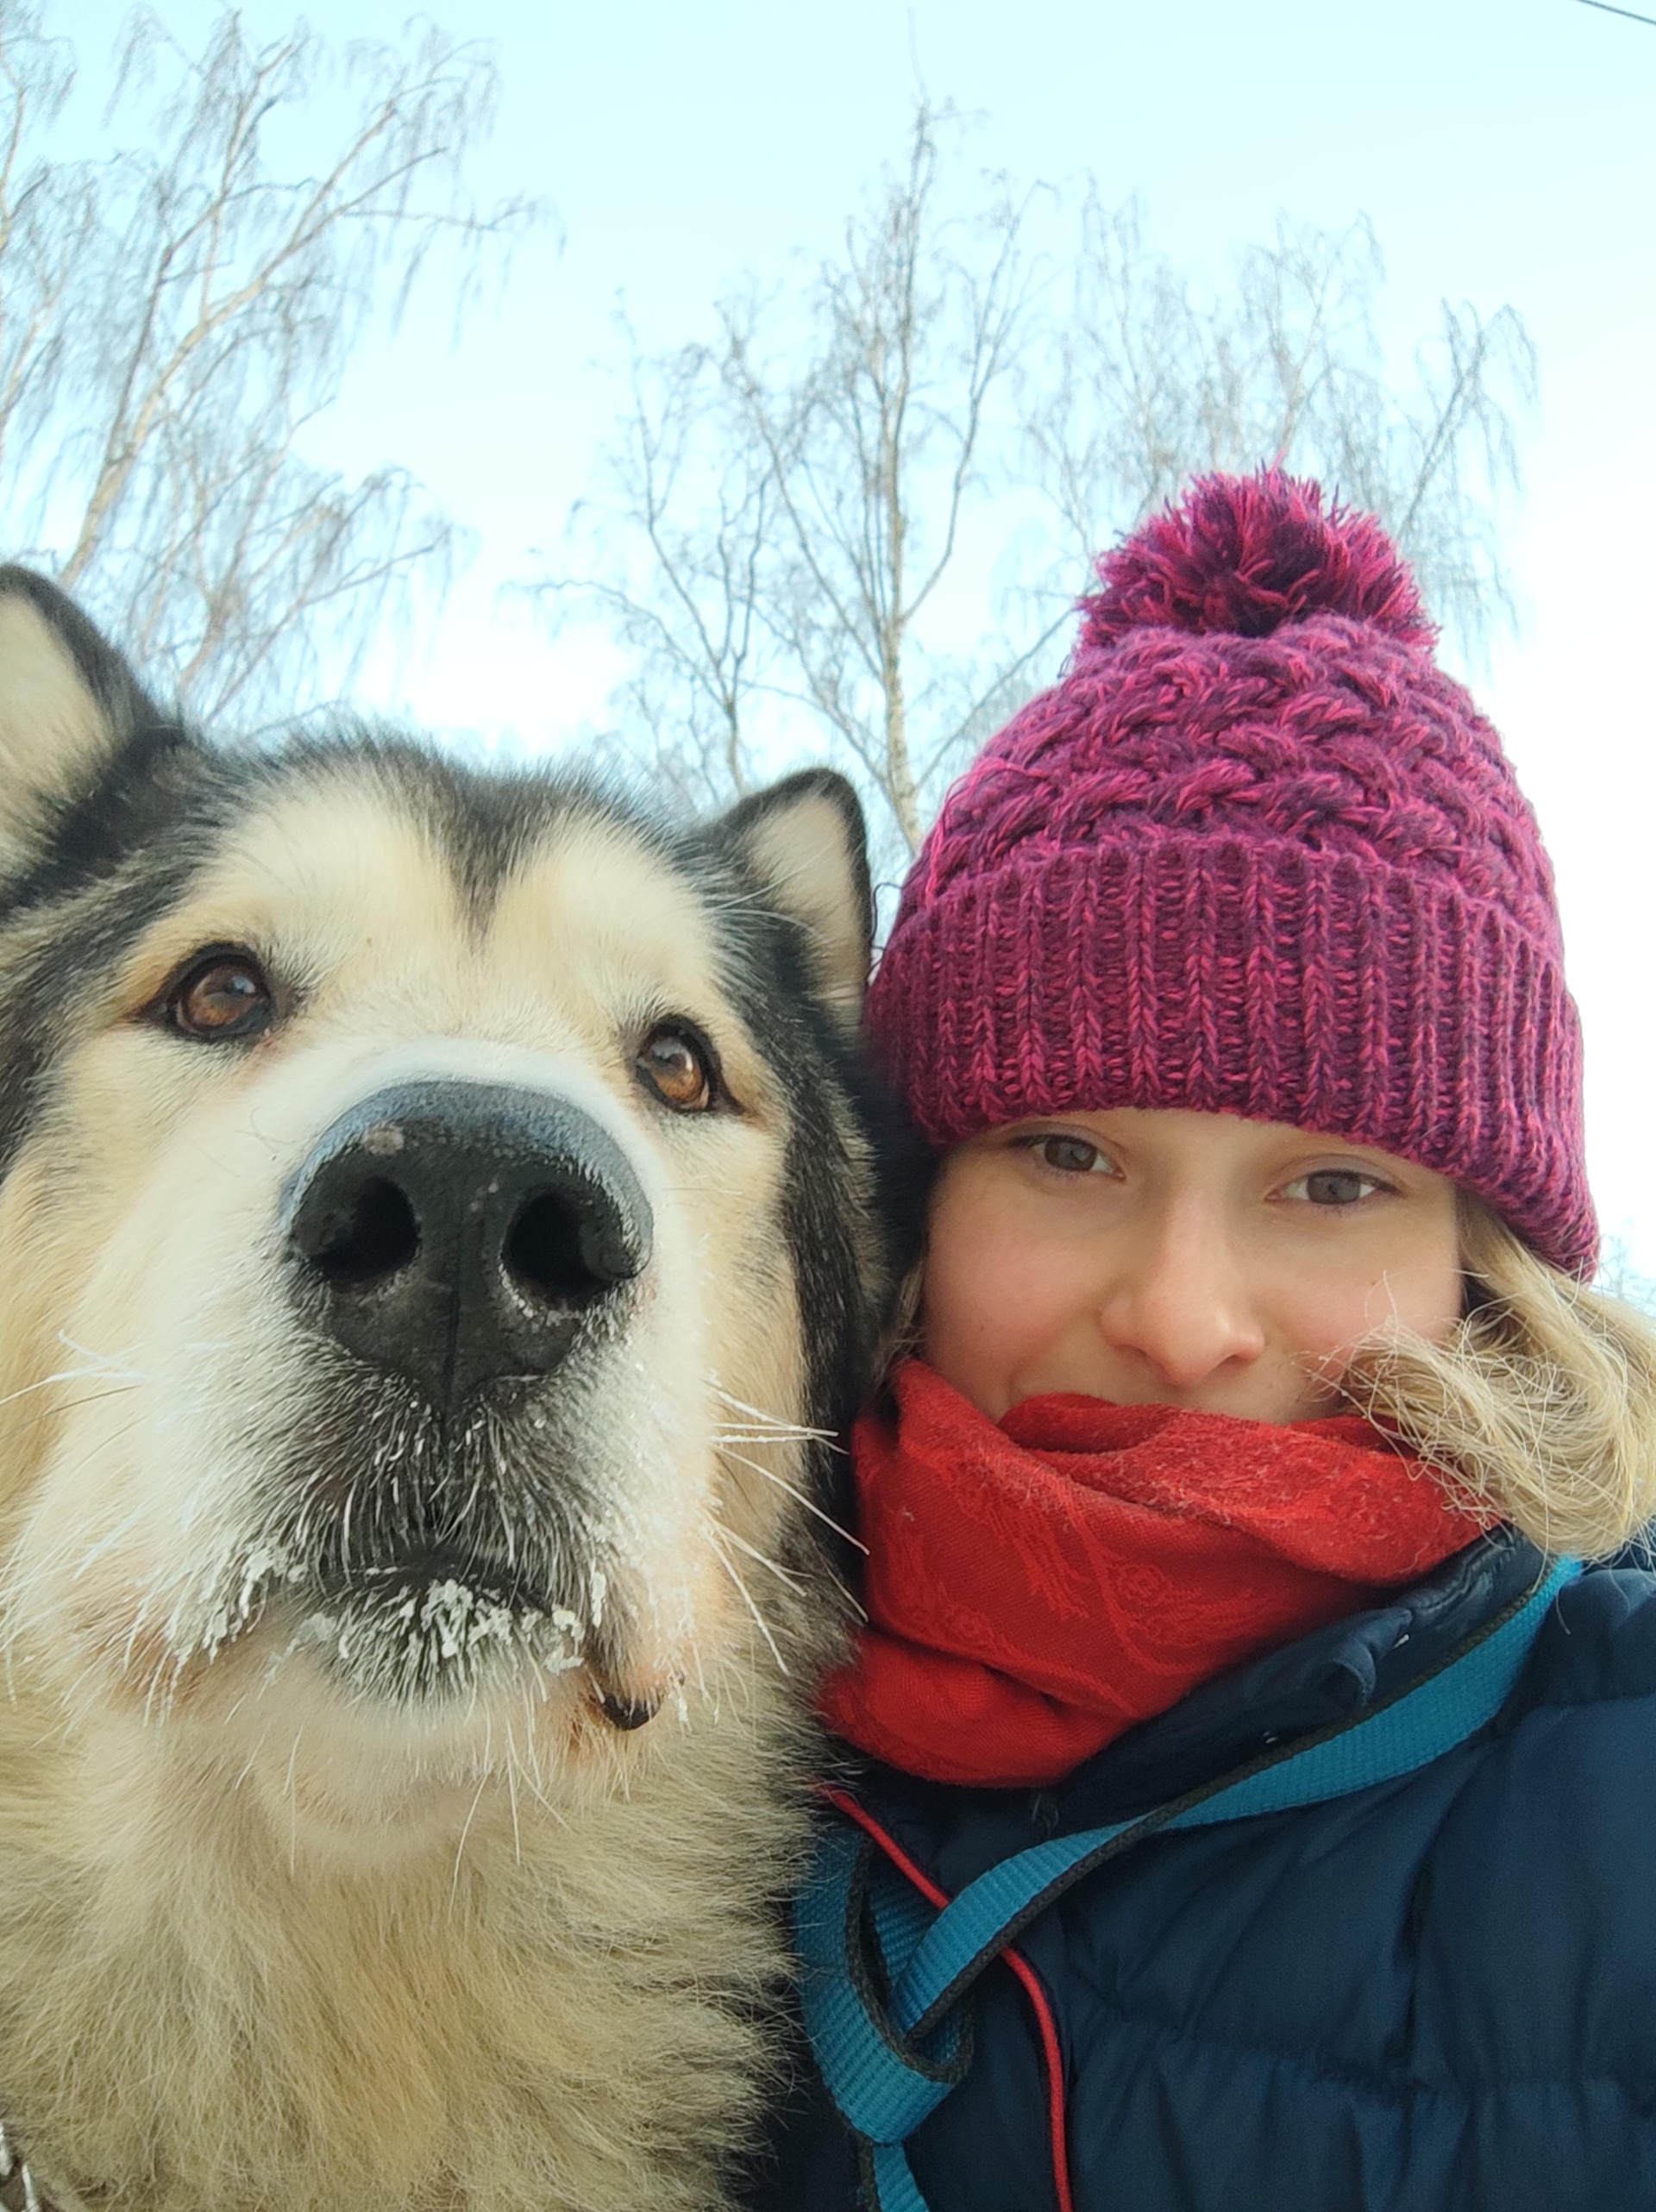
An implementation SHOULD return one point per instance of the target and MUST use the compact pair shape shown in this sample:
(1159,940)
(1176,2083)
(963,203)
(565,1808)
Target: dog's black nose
(458,1232)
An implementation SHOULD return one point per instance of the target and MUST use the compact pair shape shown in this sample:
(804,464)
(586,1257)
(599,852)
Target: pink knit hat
(1253,854)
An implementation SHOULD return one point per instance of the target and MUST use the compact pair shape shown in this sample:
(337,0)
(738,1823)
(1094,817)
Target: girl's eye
(1334,1186)
(1071,1155)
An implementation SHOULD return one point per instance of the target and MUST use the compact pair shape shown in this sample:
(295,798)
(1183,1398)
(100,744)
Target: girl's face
(1180,1259)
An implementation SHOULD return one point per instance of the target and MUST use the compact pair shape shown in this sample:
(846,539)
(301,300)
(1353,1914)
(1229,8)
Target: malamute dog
(441,1225)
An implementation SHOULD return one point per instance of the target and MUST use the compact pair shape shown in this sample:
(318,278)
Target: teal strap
(887,2030)
(895,2186)
(884,2082)
(1417,1726)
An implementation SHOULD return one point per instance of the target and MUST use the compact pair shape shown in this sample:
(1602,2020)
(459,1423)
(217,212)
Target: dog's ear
(805,840)
(68,703)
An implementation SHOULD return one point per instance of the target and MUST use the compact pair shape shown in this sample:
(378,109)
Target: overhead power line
(1605,8)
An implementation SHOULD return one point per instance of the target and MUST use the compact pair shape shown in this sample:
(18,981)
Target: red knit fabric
(1036,1587)
(1253,854)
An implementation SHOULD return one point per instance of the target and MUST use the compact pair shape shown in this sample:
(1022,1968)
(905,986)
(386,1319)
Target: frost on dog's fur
(398,1794)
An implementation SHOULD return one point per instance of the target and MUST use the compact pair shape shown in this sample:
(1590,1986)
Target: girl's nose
(1180,1301)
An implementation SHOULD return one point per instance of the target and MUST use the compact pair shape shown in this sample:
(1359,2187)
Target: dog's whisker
(848,1594)
(512,1799)
(695,1661)
(753,1433)
(774,1422)
(94,1552)
(466,1829)
(784,1574)
(746,1595)
(105,1362)
(60,1411)
(810,1504)
(20,1589)
(67,1374)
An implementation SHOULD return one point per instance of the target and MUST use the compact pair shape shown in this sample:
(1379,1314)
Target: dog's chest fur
(567,2020)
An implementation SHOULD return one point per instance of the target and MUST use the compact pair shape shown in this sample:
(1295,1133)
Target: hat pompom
(1247,553)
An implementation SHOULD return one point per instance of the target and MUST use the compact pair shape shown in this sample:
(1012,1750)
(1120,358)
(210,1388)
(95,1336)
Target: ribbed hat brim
(1263,978)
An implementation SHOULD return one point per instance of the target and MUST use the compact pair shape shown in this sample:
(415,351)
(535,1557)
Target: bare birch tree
(797,493)
(874,451)
(788,507)
(688,605)
(176,315)
(48,225)
(1154,377)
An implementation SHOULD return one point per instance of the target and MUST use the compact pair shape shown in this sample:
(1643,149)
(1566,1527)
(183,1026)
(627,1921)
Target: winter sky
(1504,149)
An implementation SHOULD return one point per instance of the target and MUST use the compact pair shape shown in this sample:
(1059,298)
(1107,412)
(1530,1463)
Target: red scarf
(1036,1587)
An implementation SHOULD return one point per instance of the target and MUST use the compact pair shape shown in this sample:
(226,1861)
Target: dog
(444,1224)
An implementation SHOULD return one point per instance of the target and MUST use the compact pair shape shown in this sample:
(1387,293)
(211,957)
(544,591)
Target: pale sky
(1504,149)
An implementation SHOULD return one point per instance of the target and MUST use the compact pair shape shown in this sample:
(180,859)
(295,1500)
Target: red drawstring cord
(1051,2052)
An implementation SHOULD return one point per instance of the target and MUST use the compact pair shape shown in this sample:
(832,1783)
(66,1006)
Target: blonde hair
(1540,1407)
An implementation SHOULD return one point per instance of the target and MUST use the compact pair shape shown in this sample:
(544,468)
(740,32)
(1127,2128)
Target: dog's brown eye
(223,996)
(676,1068)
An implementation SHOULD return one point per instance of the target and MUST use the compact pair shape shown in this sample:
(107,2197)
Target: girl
(1225,1657)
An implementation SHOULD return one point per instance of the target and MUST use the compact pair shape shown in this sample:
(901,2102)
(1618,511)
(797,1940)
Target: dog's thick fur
(306,1899)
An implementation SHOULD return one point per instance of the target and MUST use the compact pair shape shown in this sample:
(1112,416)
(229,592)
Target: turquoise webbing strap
(895,2187)
(887,2031)
(874,2073)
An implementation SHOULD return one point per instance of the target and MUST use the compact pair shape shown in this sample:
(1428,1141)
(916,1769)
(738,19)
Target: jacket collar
(1329,1675)
(1323,1678)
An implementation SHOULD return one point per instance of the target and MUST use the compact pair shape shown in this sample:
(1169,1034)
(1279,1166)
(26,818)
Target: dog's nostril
(376,1234)
(550,1253)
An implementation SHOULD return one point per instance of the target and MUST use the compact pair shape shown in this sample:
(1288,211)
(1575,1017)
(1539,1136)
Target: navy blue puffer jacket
(1436,1995)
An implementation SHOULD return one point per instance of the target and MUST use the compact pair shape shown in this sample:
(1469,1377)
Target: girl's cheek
(1323,1319)
(985,1301)
(1433,1311)
(963,1326)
